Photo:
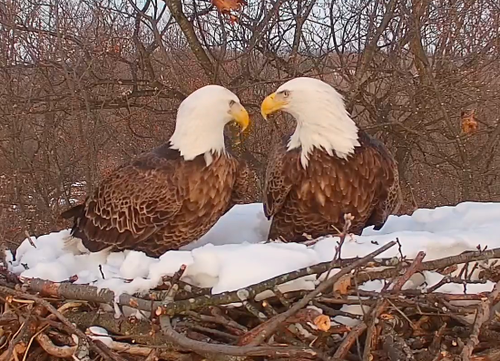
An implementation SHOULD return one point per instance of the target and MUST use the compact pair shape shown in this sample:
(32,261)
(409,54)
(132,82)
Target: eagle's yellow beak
(271,104)
(240,115)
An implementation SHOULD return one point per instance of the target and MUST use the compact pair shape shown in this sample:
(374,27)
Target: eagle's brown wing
(276,183)
(388,194)
(131,204)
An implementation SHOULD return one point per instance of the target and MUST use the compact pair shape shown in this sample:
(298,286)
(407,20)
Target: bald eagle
(327,168)
(174,194)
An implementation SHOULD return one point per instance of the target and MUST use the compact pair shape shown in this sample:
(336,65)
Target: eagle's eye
(231,103)
(285,93)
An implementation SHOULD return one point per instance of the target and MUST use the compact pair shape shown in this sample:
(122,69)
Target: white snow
(232,254)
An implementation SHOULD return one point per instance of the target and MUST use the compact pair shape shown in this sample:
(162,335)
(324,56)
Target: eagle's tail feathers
(73,212)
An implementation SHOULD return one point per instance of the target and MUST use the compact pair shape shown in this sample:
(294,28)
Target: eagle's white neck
(330,128)
(193,138)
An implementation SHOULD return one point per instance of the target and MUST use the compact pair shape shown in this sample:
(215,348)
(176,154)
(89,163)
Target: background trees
(86,85)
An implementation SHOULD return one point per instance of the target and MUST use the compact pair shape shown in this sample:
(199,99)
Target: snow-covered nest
(232,255)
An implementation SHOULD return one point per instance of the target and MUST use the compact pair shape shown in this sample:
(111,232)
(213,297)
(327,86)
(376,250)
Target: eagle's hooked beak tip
(241,117)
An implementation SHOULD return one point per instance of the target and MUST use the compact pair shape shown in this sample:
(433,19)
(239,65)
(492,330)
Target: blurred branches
(88,85)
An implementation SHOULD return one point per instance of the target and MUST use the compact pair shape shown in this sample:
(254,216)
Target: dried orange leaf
(469,123)
(342,285)
(386,316)
(233,19)
(322,322)
(225,6)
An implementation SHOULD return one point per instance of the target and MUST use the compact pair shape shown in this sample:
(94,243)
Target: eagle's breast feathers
(314,199)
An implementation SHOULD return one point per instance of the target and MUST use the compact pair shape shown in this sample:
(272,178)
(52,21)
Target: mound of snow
(233,254)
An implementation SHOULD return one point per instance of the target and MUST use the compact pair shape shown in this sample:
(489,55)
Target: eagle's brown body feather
(314,199)
(160,202)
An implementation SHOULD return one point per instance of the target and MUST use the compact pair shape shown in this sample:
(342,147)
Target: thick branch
(175,7)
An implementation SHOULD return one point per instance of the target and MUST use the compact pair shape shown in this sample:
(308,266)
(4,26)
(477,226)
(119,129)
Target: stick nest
(42,320)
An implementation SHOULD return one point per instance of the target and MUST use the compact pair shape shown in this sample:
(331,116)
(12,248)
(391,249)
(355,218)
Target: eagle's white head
(201,118)
(322,120)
